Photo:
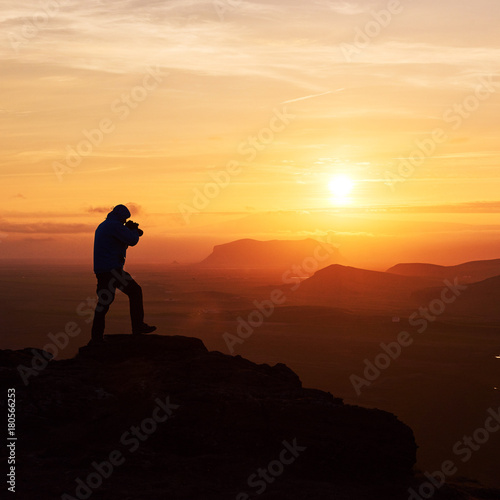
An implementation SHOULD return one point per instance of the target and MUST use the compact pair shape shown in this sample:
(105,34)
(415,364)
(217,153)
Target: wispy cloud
(134,208)
(188,36)
(346,8)
(310,96)
(99,210)
(480,207)
(46,228)
(223,78)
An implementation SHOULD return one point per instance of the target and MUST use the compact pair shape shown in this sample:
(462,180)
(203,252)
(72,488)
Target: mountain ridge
(354,288)
(251,253)
(467,272)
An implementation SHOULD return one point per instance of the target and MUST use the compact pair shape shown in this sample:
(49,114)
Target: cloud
(45,228)
(346,8)
(99,210)
(298,43)
(480,207)
(310,96)
(222,79)
(401,52)
(485,207)
(135,209)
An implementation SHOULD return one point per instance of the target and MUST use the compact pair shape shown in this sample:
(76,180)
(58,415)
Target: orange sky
(258,105)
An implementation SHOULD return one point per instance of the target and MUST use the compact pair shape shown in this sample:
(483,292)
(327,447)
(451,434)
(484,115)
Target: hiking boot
(144,328)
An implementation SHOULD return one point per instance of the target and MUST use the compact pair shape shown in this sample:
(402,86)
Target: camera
(134,226)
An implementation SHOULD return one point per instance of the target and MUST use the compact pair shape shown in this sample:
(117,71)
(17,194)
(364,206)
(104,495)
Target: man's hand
(134,226)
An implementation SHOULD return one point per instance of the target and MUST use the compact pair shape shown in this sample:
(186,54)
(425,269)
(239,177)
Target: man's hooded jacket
(112,238)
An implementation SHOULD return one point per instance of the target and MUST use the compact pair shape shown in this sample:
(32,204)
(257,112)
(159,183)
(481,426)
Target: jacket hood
(120,213)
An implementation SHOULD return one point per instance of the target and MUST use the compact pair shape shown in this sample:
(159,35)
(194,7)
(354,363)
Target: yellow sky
(203,112)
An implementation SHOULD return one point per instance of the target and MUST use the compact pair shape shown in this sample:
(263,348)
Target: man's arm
(128,236)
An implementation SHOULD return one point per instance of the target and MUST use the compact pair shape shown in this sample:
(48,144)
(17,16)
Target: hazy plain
(442,385)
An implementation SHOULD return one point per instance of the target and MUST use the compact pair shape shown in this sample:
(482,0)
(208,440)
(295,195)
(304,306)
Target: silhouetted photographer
(112,238)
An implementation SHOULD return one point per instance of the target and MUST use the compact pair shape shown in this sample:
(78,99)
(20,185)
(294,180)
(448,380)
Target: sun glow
(341,187)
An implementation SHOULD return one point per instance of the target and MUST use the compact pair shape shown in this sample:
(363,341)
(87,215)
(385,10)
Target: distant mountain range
(360,289)
(352,288)
(468,272)
(249,253)
(399,290)
(480,302)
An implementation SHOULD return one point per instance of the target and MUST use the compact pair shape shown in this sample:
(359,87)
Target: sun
(341,187)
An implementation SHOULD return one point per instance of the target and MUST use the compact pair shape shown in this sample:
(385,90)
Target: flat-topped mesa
(282,254)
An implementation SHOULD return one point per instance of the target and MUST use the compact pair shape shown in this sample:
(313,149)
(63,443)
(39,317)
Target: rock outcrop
(156,417)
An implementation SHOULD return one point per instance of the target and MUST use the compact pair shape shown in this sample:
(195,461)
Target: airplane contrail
(311,96)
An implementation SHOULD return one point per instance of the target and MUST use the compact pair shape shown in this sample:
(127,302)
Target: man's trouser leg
(134,292)
(106,287)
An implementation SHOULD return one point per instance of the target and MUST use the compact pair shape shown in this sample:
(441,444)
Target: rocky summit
(161,417)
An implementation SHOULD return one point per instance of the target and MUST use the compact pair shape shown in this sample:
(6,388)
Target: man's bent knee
(132,288)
